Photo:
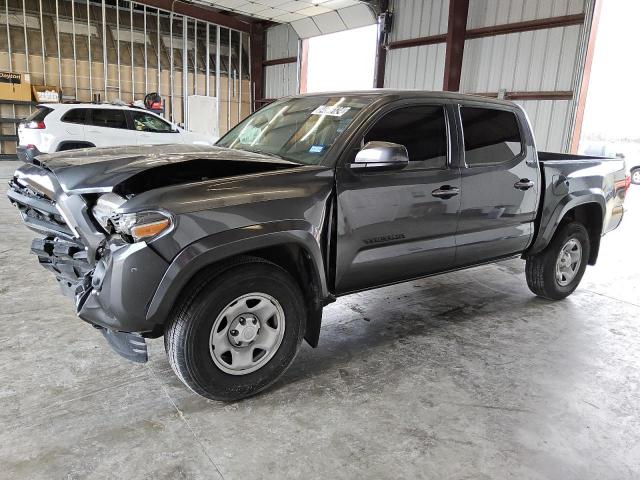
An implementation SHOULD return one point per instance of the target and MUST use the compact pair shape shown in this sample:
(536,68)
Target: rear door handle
(445,191)
(523,184)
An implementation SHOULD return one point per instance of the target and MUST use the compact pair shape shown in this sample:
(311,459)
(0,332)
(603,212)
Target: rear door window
(422,129)
(108,118)
(76,115)
(491,136)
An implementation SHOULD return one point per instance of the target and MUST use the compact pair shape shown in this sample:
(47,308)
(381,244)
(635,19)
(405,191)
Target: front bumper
(114,294)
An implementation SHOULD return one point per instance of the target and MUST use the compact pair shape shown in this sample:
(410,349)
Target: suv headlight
(132,226)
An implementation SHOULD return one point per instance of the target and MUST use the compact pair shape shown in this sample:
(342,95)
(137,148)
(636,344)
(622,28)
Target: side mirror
(380,157)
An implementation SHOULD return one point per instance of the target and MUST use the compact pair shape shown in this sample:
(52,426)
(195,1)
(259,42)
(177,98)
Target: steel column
(89,48)
(229,86)
(458,12)
(118,47)
(44,63)
(207,67)
(218,74)
(73,41)
(185,72)
(144,27)
(381,49)
(24,28)
(240,77)
(133,73)
(171,65)
(105,59)
(195,57)
(257,58)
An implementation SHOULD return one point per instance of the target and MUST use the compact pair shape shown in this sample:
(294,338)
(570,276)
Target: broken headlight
(141,225)
(132,226)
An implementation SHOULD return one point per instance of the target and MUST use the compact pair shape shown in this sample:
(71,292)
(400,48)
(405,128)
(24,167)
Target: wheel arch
(587,208)
(295,250)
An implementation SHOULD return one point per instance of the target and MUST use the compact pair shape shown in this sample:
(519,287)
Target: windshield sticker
(331,110)
(316,149)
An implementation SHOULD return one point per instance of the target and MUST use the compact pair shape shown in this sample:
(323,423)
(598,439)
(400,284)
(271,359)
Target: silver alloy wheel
(247,333)
(568,262)
(635,177)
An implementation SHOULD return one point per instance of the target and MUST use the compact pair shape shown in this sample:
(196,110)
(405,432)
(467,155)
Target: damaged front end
(110,279)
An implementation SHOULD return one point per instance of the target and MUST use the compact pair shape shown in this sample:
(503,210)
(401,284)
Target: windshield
(297,129)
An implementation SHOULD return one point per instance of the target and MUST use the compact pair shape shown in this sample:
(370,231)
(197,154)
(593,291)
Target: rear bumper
(27,154)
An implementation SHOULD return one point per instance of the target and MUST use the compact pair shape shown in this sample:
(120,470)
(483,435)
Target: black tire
(188,332)
(541,268)
(635,176)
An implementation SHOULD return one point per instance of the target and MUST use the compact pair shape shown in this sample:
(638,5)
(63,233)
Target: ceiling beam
(236,22)
(456,33)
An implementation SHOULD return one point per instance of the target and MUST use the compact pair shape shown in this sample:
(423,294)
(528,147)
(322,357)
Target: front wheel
(237,330)
(635,176)
(556,272)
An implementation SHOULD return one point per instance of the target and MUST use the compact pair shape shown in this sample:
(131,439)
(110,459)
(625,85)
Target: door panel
(391,228)
(499,187)
(399,225)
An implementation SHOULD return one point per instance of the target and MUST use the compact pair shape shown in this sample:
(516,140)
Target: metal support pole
(133,73)
(118,47)
(240,77)
(58,46)
(105,60)
(144,26)
(185,72)
(195,57)
(207,64)
(73,41)
(158,46)
(6,17)
(218,74)
(171,65)
(229,86)
(89,48)
(44,63)
(24,28)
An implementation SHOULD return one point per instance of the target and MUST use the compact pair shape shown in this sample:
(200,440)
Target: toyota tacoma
(231,252)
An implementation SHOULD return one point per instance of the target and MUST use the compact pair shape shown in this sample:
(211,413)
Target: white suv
(56,127)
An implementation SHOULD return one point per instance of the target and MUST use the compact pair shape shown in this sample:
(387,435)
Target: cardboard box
(46,93)
(15,86)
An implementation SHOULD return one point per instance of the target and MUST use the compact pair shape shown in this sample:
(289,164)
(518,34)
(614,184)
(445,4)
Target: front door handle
(445,191)
(523,184)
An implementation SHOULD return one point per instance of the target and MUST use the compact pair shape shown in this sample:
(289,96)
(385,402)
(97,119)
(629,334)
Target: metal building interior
(458,376)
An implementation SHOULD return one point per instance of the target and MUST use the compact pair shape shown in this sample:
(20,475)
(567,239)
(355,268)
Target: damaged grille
(38,212)
(59,252)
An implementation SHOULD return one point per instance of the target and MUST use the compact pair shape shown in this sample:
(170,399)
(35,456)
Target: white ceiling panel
(329,22)
(306,28)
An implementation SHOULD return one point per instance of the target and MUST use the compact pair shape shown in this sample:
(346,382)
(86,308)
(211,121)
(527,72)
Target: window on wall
(490,136)
(421,129)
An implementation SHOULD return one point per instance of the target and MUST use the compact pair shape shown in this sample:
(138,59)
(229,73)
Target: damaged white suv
(57,127)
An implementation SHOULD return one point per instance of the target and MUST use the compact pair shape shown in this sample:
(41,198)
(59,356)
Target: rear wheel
(635,176)
(556,272)
(237,330)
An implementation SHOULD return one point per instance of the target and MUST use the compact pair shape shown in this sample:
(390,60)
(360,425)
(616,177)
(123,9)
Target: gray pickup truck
(231,252)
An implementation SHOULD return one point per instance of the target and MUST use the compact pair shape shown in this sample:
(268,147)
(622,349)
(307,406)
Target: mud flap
(127,345)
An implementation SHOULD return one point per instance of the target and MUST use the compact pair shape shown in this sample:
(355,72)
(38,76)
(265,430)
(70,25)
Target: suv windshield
(297,129)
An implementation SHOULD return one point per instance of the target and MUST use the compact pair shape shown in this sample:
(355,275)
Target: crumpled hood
(97,170)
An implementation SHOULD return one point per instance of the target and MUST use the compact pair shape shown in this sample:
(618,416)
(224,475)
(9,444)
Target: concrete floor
(466,375)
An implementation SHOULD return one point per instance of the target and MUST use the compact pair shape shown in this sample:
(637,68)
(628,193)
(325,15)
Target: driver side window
(421,129)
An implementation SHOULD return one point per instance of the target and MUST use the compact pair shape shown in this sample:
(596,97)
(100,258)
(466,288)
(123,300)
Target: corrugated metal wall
(541,60)
(281,80)
(417,67)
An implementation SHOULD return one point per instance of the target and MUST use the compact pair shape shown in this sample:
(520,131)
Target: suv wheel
(237,330)
(635,176)
(556,272)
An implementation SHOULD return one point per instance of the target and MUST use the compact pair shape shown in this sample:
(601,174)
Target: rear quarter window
(491,136)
